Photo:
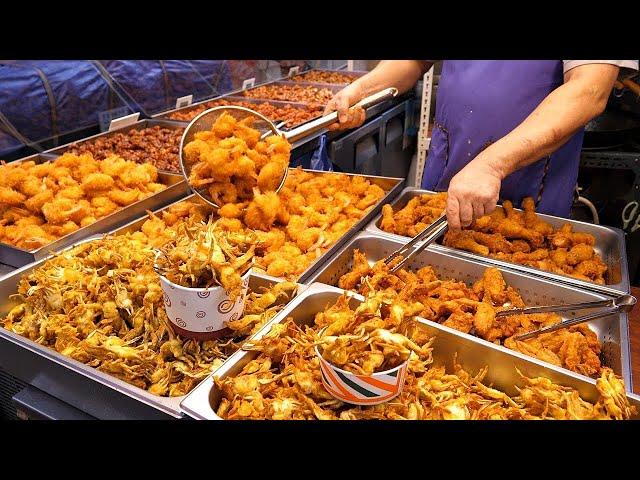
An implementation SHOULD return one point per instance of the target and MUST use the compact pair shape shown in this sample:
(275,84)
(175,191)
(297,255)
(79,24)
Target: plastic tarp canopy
(40,100)
(153,86)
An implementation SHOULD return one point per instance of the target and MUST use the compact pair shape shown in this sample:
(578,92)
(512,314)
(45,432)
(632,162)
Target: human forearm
(553,122)
(401,74)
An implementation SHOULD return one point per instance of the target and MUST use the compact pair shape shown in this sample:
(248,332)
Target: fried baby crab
(203,255)
(40,203)
(229,161)
(101,303)
(283,382)
(524,238)
(472,309)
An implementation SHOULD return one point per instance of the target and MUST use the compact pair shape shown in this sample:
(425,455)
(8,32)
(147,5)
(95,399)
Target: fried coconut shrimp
(67,193)
(526,239)
(283,381)
(101,303)
(473,310)
(223,159)
(203,255)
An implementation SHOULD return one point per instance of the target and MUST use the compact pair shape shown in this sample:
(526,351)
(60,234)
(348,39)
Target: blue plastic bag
(320,159)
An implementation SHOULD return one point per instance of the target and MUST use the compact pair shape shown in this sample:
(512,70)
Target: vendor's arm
(474,191)
(401,74)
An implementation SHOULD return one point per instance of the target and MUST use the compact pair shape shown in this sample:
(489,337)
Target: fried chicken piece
(360,268)
(579,253)
(464,240)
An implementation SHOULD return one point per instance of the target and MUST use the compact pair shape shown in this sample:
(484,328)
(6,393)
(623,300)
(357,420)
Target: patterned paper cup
(201,313)
(371,389)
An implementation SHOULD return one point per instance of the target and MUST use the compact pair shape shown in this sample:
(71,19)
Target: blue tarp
(78,92)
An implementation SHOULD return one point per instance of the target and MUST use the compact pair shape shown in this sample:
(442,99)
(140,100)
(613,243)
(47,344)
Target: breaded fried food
(67,193)
(420,212)
(524,238)
(224,159)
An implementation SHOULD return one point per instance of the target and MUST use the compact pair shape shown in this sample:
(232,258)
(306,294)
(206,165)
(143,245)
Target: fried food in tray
(472,310)
(415,216)
(293,228)
(203,255)
(101,303)
(231,163)
(292,115)
(324,77)
(291,93)
(40,203)
(364,342)
(156,145)
(526,239)
(284,381)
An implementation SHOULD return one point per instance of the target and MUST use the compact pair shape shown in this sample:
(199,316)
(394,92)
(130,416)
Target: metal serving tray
(335,88)
(86,388)
(238,98)
(355,74)
(142,124)
(391,185)
(176,188)
(202,402)
(612,331)
(610,245)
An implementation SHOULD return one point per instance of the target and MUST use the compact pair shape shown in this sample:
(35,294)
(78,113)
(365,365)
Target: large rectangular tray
(238,98)
(202,402)
(171,124)
(391,185)
(355,74)
(86,388)
(176,188)
(612,331)
(610,245)
(335,88)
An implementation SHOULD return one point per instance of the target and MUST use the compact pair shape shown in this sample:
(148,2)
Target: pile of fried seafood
(101,303)
(284,380)
(420,212)
(324,77)
(40,203)
(156,145)
(292,115)
(203,255)
(232,164)
(311,95)
(524,238)
(473,310)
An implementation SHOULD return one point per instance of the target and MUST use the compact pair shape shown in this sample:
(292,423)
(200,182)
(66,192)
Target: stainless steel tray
(610,245)
(171,124)
(612,331)
(355,74)
(92,391)
(335,88)
(203,401)
(399,203)
(236,98)
(176,188)
(391,185)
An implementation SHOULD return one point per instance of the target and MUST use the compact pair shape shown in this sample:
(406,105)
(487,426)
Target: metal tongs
(427,235)
(623,303)
(205,120)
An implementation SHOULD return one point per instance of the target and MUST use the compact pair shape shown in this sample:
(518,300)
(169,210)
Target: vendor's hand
(472,193)
(347,117)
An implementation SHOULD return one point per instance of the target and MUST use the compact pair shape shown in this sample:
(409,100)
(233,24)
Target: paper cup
(202,313)
(379,387)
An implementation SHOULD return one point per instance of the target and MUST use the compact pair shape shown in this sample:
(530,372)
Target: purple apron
(479,102)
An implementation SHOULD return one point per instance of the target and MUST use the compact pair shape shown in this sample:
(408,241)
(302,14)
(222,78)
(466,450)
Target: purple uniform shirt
(479,102)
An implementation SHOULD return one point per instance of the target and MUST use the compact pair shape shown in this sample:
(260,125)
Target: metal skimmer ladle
(427,235)
(623,303)
(205,120)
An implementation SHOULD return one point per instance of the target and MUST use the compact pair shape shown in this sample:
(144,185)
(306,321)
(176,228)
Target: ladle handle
(318,124)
